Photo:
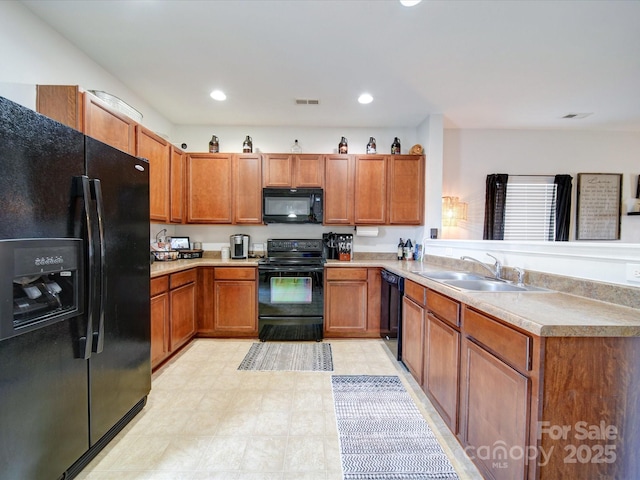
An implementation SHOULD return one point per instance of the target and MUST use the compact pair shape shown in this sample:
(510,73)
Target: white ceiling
(482,64)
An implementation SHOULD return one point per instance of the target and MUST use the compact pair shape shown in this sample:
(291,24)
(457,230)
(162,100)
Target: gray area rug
(383,436)
(288,356)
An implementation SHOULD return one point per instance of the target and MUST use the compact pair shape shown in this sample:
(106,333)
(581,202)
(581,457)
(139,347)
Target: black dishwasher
(391,311)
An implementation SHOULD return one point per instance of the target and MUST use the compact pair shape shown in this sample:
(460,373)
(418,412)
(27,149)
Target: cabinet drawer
(512,346)
(159,285)
(235,273)
(416,292)
(182,278)
(346,274)
(444,307)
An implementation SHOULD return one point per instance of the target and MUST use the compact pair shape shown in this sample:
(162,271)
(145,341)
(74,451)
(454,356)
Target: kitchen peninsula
(536,384)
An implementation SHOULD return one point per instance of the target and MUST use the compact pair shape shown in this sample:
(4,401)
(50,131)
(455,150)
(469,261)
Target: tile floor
(206,420)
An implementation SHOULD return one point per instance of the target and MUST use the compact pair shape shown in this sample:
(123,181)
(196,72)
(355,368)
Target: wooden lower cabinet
(413,336)
(494,414)
(441,369)
(352,302)
(228,302)
(183,307)
(173,313)
(159,320)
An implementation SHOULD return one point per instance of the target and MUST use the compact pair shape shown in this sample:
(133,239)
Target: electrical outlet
(633,272)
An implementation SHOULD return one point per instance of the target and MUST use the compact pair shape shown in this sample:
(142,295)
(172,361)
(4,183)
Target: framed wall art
(598,207)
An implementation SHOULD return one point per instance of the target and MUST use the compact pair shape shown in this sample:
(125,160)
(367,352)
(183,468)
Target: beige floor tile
(305,454)
(206,420)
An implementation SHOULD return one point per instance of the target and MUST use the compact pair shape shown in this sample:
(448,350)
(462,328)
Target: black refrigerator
(74,295)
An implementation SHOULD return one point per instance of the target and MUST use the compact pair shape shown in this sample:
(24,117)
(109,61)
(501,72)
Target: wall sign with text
(599,203)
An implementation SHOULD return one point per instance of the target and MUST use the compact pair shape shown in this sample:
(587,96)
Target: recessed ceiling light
(365,98)
(218,95)
(409,3)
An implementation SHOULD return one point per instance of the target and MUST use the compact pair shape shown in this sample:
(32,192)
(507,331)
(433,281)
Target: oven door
(291,302)
(291,293)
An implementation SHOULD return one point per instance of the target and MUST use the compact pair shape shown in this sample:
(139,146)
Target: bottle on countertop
(214,146)
(296,148)
(395,146)
(371,146)
(400,249)
(247,145)
(343,147)
(408,250)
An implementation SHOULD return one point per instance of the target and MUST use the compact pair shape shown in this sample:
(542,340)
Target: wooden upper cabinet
(339,172)
(277,171)
(247,191)
(308,171)
(293,171)
(370,190)
(63,103)
(406,189)
(107,125)
(177,181)
(209,188)
(158,152)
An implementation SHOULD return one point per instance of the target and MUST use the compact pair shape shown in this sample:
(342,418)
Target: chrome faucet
(496,271)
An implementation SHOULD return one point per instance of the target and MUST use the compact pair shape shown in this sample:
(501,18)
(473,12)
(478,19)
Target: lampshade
(452,211)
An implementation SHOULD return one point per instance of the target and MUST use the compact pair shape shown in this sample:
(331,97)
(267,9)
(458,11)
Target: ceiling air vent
(576,115)
(304,101)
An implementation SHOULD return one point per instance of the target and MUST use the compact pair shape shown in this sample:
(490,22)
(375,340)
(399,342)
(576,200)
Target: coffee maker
(239,245)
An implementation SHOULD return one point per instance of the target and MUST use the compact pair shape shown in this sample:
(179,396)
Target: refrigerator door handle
(98,336)
(82,190)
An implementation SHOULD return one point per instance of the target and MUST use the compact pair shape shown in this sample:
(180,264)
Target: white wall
(472,154)
(33,53)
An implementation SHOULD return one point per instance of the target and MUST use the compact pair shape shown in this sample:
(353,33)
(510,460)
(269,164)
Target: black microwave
(292,205)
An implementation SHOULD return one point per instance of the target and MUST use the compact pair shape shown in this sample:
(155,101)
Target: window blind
(530,210)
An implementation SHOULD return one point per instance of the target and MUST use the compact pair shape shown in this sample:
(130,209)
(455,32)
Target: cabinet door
(338,190)
(406,189)
(209,188)
(346,307)
(441,369)
(177,181)
(308,171)
(183,315)
(494,411)
(235,307)
(63,103)
(107,125)
(205,309)
(370,190)
(247,190)
(278,171)
(413,332)
(157,151)
(159,328)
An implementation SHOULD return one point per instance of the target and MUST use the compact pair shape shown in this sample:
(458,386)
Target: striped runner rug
(382,434)
(288,356)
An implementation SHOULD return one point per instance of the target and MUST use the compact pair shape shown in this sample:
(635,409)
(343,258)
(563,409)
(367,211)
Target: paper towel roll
(367,231)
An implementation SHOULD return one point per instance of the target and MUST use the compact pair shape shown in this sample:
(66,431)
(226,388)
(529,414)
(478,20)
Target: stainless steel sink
(475,283)
(449,275)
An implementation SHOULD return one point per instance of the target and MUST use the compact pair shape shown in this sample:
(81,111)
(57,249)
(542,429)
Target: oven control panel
(307,245)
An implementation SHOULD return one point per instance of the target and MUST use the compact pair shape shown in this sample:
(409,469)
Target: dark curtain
(495,200)
(563,206)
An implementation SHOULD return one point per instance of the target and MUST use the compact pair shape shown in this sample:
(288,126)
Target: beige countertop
(547,314)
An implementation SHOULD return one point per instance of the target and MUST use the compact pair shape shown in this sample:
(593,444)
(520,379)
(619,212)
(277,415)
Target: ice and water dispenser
(41,282)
